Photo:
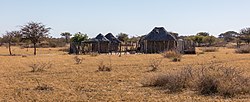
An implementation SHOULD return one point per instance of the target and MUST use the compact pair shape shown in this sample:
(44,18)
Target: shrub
(175,59)
(207,85)
(231,46)
(243,49)
(173,82)
(170,54)
(78,60)
(222,80)
(208,79)
(43,87)
(209,49)
(154,64)
(64,50)
(94,54)
(40,66)
(174,56)
(105,68)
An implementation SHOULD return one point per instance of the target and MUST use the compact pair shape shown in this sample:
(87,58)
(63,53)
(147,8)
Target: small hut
(186,46)
(157,41)
(114,43)
(98,44)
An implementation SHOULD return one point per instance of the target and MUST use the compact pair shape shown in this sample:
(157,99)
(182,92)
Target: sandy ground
(80,82)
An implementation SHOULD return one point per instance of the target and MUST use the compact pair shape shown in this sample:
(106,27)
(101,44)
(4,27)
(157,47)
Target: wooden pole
(168,46)
(120,49)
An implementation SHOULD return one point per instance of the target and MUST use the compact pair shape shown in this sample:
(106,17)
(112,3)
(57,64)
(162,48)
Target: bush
(170,54)
(40,66)
(243,49)
(175,59)
(222,80)
(208,79)
(94,54)
(231,46)
(154,64)
(78,60)
(207,85)
(209,49)
(103,68)
(43,87)
(174,56)
(173,82)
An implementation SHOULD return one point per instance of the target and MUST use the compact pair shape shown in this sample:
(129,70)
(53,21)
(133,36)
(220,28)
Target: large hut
(115,43)
(157,41)
(98,44)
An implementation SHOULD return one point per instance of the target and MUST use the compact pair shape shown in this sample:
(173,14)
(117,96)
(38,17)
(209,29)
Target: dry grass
(210,49)
(78,60)
(243,49)
(71,82)
(174,56)
(40,66)
(208,79)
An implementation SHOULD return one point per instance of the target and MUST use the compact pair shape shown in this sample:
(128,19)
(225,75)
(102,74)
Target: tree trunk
(34,48)
(67,39)
(10,48)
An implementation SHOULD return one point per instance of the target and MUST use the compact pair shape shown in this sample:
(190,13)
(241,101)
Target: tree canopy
(79,37)
(245,35)
(11,37)
(34,32)
(228,36)
(67,36)
(123,37)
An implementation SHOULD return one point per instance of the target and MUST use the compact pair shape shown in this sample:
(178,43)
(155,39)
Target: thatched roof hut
(112,38)
(158,40)
(98,44)
(114,42)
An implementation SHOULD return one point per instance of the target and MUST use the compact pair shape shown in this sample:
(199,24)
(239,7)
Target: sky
(134,17)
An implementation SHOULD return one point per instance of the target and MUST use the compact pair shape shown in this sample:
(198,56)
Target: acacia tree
(11,37)
(228,36)
(245,35)
(123,37)
(67,36)
(78,38)
(34,32)
(209,39)
(202,34)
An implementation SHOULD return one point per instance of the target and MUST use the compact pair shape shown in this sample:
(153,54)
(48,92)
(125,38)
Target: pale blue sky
(135,17)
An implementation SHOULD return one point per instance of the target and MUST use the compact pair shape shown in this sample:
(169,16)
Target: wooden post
(99,47)
(146,46)
(164,45)
(168,46)
(120,49)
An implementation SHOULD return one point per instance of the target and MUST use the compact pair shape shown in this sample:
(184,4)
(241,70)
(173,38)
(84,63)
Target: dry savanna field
(64,80)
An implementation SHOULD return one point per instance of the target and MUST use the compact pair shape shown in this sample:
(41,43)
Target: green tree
(134,39)
(198,39)
(203,34)
(67,36)
(123,37)
(245,35)
(35,32)
(228,36)
(11,37)
(209,39)
(79,37)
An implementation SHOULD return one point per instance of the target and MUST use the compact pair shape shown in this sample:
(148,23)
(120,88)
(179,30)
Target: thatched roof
(112,38)
(98,38)
(101,38)
(159,34)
